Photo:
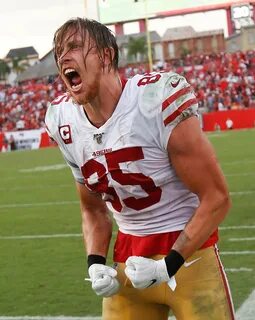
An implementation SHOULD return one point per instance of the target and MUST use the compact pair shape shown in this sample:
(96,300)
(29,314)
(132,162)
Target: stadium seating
(221,81)
(23,106)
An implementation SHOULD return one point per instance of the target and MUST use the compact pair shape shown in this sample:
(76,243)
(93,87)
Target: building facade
(242,41)
(178,42)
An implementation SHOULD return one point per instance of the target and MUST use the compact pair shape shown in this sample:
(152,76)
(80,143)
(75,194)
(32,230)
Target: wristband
(95,258)
(173,262)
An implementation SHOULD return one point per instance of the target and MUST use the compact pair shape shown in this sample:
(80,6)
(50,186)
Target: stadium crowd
(23,106)
(221,82)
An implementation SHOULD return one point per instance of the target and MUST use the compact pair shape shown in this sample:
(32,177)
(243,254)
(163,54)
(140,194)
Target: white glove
(144,272)
(103,279)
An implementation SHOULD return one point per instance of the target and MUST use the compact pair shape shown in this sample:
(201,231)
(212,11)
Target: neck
(100,109)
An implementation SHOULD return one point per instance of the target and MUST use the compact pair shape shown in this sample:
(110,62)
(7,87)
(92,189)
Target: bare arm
(96,222)
(195,163)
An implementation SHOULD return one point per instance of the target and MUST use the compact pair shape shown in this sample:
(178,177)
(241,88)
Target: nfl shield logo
(98,137)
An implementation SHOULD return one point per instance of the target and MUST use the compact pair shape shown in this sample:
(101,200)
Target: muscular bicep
(194,159)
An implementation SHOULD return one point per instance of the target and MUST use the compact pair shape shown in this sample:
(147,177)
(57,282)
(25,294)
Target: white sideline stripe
(225,253)
(32,187)
(242,239)
(237,162)
(247,309)
(238,269)
(39,204)
(58,166)
(236,227)
(240,174)
(217,135)
(241,193)
(41,236)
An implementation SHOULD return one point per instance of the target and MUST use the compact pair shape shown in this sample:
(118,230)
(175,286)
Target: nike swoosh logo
(152,282)
(175,84)
(188,264)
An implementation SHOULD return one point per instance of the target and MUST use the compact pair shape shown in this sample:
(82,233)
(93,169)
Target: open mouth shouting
(73,78)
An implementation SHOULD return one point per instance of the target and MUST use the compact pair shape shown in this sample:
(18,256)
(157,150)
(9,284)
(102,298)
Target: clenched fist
(145,272)
(103,279)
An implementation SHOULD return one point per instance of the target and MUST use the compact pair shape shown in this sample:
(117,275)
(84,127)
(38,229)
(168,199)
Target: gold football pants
(202,293)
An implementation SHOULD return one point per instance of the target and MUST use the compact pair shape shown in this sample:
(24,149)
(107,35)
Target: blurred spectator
(20,125)
(229,124)
(11,143)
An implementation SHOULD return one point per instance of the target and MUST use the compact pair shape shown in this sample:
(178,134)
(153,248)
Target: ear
(108,57)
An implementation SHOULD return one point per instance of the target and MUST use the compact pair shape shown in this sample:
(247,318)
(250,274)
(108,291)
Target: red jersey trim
(225,283)
(127,245)
(177,112)
(123,83)
(60,99)
(175,96)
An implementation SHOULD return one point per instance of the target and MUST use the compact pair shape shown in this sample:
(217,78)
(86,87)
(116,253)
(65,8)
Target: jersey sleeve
(52,122)
(75,170)
(54,114)
(49,121)
(179,103)
(165,99)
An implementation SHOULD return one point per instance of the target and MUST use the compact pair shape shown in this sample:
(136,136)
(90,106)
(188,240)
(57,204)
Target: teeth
(76,87)
(69,71)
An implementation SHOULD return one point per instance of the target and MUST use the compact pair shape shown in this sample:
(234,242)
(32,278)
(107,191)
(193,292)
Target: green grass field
(42,275)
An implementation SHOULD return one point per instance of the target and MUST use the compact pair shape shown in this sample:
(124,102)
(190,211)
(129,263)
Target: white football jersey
(126,159)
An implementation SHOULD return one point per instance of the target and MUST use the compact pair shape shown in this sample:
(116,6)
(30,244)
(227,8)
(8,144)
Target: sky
(26,23)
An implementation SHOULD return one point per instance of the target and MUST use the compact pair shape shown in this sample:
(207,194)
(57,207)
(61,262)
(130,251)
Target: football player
(136,150)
